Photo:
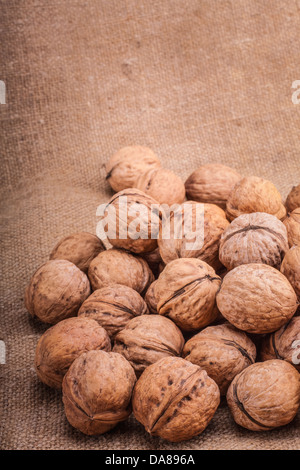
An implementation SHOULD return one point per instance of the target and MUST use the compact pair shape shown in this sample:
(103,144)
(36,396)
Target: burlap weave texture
(197,81)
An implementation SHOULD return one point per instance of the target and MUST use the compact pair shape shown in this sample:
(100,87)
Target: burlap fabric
(197,81)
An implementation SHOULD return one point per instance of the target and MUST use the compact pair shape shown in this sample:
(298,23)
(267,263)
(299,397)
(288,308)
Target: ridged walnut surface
(147,339)
(256,298)
(113,306)
(293,199)
(175,399)
(151,299)
(265,396)
(154,260)
(97,391)
(292,223)
(291,268)
(163,185)
(61,344)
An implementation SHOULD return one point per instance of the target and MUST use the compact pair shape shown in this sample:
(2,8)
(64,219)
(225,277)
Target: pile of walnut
(152,327)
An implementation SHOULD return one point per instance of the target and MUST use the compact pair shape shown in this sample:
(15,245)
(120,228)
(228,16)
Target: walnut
(184,230)
(175,399)
(253,238)
(292,223)
(79,248)
(211,183)
(113,306)
(162,185)
(119,267)
(132,220)
(265,396)
(97,391)
(256,298)
(221,350)
(127,164)
(148,338)
(186,292)
(154,260)
(56,291)
(61,344)
(254,194)
(282,344)
(150,298)
(293,200)
(291,268)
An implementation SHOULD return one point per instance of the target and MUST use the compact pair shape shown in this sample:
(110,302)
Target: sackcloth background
(198,81)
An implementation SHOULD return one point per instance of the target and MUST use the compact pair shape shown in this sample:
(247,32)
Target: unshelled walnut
(291,268)
(221,350)
(254,194)
(56,291)
(148,338)
(79,248)
(113,306)
(195,232)
(150,298)
(283,344)
(154,261)
(293,200)
(175,399)
(292,223)
(211,183)
(97,391)
(61,344)
(256,298)
(265,396)
(163,185)
(132,221)
(120,267)
(127,164)
(253,238)
(186,293)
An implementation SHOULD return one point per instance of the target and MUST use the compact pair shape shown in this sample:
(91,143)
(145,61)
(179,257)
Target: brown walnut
(154,260)
(292,223)
(293,200)
(127,164)
(56,291)
(291,268)
(113,306)
(254,194)
(182,241)
(97,391)
(162,185)
(253,238)
(150,298)
(148,338)
(79,248)
(175,399)
(256,298)
(265,396)
(283,344)
(186,292)
(61,344)
(211,183)
(119,267)
(221,350)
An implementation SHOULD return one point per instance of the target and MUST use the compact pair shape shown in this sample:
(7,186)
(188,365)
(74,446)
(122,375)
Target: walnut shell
(182,242)
(254,194)
(175,399)
(131,220)
(253,238)
(154,260)
(221,350)
(265,396)
(56,291)
(119,267)
(291,268)
(97,391)
(146,339)
(282,344)
(151,299)
(79,248)
(256,298)
(186,292)
(292,223)
(127,164)
(113,306)
(293,200)
(61,344)
(162,185)
(211,183)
